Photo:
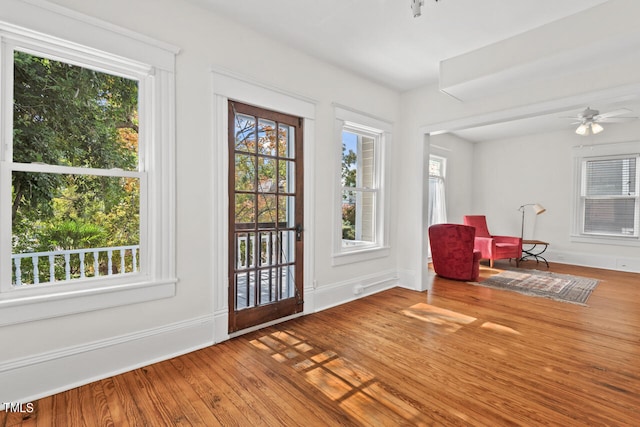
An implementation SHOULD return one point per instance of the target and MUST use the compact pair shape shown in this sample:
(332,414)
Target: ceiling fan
(589,120)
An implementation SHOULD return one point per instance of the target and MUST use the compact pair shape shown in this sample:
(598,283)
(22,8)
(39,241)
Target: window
(359,189)
(86,173)
(362,206)
(75,175)
(437,203)
(609,196)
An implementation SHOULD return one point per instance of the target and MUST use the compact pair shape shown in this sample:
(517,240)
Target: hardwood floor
(460,355)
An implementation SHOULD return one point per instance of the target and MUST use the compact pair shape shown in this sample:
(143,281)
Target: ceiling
(381,40)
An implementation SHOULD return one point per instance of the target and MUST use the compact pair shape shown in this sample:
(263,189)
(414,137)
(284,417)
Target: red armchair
(452,251)
(493,247)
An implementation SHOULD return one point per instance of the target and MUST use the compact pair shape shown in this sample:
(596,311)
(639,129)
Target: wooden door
(265,215)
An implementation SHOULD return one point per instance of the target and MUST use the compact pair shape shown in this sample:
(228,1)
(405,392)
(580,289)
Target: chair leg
(491,263)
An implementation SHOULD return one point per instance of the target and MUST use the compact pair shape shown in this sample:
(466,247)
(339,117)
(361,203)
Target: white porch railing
(275,247)
(76,264)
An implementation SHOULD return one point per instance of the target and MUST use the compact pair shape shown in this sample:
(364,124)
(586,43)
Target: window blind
(610,196)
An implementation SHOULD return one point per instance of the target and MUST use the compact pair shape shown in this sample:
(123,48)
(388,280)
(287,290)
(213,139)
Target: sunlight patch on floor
(499,328)
(438,316)
(353,387)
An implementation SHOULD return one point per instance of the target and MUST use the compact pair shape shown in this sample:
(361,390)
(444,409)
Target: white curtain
(437,204)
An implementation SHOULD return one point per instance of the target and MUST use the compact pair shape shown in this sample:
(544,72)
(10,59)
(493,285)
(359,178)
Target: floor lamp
(537,208)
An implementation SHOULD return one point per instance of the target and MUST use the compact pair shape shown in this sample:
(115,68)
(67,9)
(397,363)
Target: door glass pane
(286,176)
(245,250)
(268,248)
(286,141)
(287,243)
(286,211)
(245,283)
(245,172)
(287,277)
(245,209)
(266,175)
(267,210)
(267,138)
(269,286)
(245,130)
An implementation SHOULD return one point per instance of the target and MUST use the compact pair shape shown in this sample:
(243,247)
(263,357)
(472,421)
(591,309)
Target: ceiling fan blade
(614,113)
(569,117)
(615,119)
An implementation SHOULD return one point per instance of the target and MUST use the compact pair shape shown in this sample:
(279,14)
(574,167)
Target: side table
(535,251)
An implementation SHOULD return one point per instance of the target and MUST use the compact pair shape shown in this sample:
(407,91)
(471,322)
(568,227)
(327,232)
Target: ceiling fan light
(596,128)
(583,129)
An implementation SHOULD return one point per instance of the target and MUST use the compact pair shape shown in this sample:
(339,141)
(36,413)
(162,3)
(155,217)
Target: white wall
(44,356)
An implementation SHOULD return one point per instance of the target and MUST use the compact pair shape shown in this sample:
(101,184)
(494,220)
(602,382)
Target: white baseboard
(28,379)
(607,262)
(328,296)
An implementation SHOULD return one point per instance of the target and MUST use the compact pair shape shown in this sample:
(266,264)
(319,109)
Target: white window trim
(598,151)
(353,120)
(40,27)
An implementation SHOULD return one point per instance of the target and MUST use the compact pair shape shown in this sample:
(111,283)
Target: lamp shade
(538,208)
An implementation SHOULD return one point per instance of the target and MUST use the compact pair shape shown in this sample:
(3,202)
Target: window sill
(360,254)
(19,307)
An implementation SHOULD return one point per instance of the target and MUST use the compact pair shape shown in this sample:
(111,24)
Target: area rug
(559,287)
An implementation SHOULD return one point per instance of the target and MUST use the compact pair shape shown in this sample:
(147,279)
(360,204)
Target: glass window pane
(610,216)
(611,177)
(70,215)
(349,159)
(73,116)
(366,169)
(358,217)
